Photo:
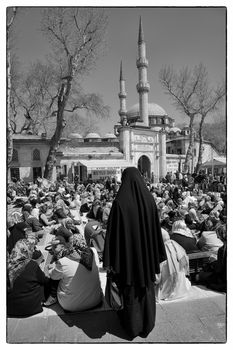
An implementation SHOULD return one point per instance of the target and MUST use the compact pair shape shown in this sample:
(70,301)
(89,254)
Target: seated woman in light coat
(79,286)
(172,282)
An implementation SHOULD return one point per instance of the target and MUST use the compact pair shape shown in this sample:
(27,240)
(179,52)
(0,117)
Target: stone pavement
(198,318)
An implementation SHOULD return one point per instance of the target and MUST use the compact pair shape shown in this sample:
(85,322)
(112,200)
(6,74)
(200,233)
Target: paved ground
(198,318)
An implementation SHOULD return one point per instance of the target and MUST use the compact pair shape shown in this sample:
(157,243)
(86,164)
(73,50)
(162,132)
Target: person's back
(172,282)
(133,251)
(188,243)
(183,236)
(25,298)
(79,289)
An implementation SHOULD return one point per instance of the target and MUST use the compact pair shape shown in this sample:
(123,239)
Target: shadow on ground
(96,324)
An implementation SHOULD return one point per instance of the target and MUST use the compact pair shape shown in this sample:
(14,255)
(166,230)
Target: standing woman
(133,251)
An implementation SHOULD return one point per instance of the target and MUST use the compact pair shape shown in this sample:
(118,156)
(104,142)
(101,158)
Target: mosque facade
(145,137)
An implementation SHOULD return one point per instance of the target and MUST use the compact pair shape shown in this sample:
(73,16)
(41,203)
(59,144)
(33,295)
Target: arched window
(36,154)
(15,156)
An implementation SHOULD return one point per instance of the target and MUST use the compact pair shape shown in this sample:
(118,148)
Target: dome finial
(140,33)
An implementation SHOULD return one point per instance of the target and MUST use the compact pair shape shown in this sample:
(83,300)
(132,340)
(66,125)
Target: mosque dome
(174,130)
(153,110)
(75,135)
(92,135)
(109,136)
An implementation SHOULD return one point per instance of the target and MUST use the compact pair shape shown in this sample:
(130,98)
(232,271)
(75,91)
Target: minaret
(122,96)
(143,86)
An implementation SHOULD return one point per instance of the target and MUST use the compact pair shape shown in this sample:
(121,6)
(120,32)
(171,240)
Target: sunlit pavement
(198,318)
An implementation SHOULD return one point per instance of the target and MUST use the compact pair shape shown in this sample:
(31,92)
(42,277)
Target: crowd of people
(142,232)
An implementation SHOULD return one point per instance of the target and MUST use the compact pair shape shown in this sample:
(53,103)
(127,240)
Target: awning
(215,163)
(101,164)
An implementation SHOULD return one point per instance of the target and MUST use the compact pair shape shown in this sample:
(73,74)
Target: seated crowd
(193,219)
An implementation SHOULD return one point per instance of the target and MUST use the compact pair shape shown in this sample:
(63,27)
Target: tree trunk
(8,91)
(55,141)
(9,129)
(189,153)
(200,153)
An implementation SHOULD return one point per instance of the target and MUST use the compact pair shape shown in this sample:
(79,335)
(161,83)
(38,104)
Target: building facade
(145,137)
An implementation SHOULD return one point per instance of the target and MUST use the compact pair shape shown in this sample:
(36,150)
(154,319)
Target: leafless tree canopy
(191,94)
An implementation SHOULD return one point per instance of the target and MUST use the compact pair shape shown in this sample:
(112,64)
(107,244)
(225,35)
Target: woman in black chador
(133,250)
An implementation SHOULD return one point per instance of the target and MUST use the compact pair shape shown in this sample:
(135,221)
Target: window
(169,150)
(36,154)
(195,152)
(15,173)
(15,156)
(178,150)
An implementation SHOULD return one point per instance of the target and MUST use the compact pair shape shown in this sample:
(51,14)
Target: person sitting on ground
(79,288)
(26,281)
(35,210)
(75,206)
(208,205)
(17,233)
(95,236)
(84,208)
(44,219)
(192,211)
(32,220)
(172,282)
(106,212)
(214,275)
(96,211)
(183,236)
(61,210)
(210,242)
(75,237)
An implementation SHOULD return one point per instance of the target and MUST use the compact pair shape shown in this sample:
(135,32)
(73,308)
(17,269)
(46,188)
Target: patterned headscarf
(77,238)
(65,221)
(81,254)
(20,256)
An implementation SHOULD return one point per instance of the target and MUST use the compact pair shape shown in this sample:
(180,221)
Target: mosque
(145,137)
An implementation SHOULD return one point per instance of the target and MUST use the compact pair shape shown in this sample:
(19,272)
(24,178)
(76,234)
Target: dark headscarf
(17,233)
(134,246)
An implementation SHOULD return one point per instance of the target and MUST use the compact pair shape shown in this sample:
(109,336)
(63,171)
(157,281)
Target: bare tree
(209,100)
(190,93)
(77,38)
(181,88)
(11,14)
(32,98)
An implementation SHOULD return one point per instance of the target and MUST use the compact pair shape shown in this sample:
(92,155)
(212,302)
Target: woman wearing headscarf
(172,282)
(32,221)
(133,252)
(79,286)
(17,233)
(184,237)
(43,217)
(75,237)
(26,281)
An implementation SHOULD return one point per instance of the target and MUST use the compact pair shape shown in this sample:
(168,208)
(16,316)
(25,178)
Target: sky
(174,36)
